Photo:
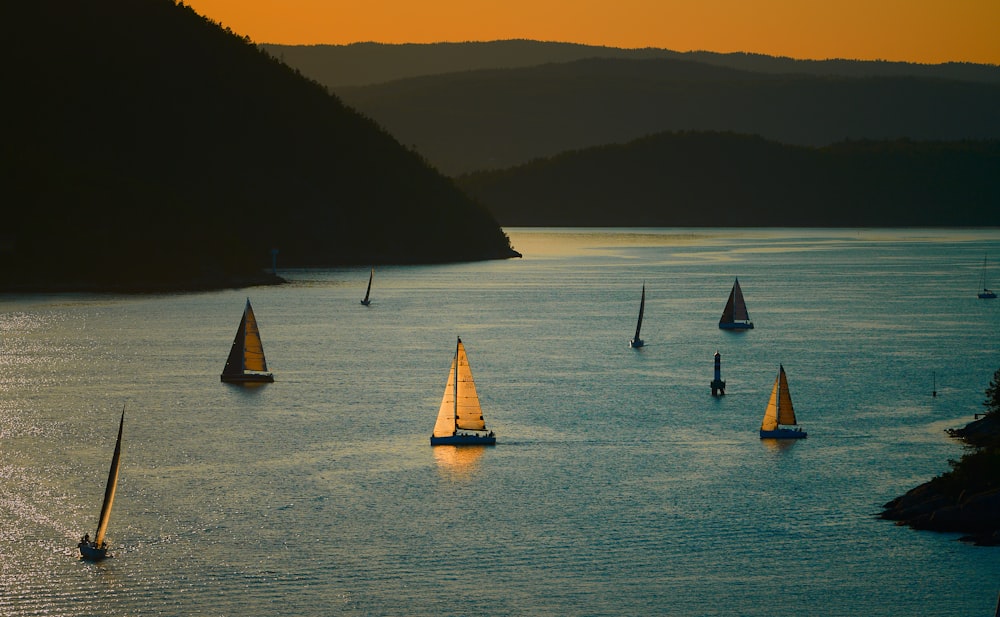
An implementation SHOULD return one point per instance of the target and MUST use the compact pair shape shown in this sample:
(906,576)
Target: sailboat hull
(248,378)
(783,433)
(464,440)
(635,343)
(91,552)
(987,295)
(736,325)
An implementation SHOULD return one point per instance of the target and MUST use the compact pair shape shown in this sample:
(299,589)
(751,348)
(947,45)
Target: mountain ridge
(369,63)
(496,118)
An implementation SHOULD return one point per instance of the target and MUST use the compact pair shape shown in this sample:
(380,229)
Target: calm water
(619,486)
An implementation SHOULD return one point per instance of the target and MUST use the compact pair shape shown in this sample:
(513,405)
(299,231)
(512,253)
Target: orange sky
(927,31)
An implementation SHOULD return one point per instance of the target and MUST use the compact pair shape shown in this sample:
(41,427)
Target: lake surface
(618,486)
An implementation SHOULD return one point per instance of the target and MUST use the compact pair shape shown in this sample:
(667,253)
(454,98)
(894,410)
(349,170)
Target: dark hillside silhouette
(730,180)
(146,147)
(497,118)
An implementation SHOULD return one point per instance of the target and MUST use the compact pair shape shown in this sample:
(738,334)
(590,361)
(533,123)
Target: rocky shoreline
(964,500)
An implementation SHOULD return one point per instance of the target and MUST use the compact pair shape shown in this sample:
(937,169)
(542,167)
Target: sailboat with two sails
(636,341)
(779,416)
(460,418)
(735,315)
(246,362)
(97,549)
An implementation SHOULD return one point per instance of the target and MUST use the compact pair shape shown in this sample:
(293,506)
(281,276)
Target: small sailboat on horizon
(986,293)
(97,549)
(780,414)
(246,362)
(636,341)
(735,315)
(368,291)
(460,418)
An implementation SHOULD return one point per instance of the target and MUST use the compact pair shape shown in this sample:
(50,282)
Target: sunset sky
(927,31)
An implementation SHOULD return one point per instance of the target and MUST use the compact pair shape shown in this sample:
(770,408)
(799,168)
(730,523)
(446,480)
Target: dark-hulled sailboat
(636,341)
(368,292)
(97,549)
(735,315)
(986,293)
(246,362)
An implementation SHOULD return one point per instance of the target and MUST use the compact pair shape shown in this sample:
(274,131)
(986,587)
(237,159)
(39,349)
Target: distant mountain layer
(147,148)
(474,106)
(362,64)
(707,179)
(492,119)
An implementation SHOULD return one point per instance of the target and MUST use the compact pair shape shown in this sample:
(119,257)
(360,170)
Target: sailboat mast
(777,400)
(455,412)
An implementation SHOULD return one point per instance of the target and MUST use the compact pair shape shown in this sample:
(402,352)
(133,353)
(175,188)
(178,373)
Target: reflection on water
(779,445)
(458,462)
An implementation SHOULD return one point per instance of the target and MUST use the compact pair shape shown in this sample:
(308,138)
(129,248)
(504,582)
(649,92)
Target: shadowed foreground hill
(724,179)
(147,148)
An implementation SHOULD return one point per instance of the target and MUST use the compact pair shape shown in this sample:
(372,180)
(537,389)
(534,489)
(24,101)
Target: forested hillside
(147,148)
(709,179)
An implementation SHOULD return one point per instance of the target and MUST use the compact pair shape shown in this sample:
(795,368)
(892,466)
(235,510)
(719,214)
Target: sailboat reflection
(458,462)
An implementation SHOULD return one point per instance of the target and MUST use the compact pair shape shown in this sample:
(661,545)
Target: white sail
(460,407)
(779,407)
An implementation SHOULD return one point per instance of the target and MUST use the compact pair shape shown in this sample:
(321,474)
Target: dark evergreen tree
(992,402)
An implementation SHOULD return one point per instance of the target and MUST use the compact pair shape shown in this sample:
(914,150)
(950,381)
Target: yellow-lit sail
(253,348)
(460,404)
(779,407)
(111,488)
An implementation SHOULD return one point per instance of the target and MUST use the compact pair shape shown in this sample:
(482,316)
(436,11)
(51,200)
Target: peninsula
(966,499)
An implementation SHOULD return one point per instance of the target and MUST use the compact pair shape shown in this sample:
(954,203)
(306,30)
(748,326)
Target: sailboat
(246,362)
(780,414)
(986,294)
(636,341)
(368,292)
(97,549)
(460,419)
(735,315)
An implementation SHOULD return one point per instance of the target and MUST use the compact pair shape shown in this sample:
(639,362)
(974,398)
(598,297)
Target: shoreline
(965,499)
(188,286)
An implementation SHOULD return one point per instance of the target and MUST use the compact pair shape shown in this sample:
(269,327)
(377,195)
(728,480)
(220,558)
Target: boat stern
(464,439)
(92,552)
(783,433)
